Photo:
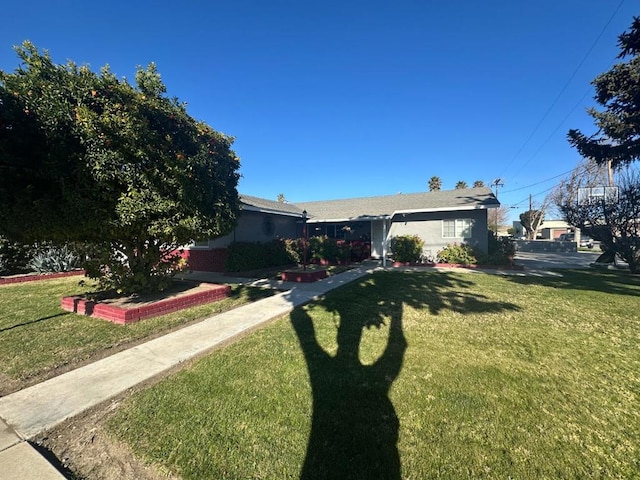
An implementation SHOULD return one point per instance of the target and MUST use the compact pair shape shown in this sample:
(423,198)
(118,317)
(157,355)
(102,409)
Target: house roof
(269,206)
(384,206)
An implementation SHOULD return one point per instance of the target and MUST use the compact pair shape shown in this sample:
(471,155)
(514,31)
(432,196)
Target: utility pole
(497,183)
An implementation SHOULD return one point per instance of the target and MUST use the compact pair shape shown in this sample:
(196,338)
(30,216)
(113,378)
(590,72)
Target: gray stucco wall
(428,226)
(258,227)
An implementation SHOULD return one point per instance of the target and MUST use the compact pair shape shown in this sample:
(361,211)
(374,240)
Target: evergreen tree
(618,137)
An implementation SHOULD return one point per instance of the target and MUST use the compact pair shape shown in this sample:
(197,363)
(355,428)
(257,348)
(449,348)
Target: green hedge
(14,257)
(246,256)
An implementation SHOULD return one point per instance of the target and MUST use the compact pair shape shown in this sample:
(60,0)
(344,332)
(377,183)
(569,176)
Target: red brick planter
(303,276)
(38,276)
(130,312)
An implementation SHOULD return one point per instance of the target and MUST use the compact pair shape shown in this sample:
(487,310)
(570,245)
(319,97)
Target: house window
(457,228)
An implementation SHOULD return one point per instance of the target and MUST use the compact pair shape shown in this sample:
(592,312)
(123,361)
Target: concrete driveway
(547,260)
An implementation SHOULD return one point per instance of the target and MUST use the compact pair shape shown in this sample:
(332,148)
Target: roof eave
(446,209)
(253,208)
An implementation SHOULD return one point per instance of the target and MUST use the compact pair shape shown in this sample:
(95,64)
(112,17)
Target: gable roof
(387,206)
(378,207)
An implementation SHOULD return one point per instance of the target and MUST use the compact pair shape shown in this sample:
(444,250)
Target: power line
(534,195)
(587,170)
(554,131)
(563,89)
(538,183)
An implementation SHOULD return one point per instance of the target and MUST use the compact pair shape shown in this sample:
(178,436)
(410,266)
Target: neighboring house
(439,218)
(548,230)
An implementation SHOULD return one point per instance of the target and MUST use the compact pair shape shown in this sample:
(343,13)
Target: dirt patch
(84,447)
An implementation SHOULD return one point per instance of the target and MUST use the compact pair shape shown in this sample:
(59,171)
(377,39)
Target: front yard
(412,375)
(38,339)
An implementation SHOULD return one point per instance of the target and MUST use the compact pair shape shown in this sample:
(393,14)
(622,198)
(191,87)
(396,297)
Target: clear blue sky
(337,99)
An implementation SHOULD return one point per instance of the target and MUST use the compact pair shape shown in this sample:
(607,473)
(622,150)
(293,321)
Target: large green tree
(617,139)
(88,157)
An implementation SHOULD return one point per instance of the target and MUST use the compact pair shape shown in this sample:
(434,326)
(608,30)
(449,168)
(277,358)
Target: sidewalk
(28,412)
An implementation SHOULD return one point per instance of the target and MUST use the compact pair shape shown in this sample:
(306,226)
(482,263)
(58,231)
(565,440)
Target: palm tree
(461,185)
(435,184)
(478,184)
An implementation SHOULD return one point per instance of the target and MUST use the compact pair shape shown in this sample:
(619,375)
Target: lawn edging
(32,277)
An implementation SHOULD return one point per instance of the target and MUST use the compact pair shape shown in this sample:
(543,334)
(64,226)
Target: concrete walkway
(28,412)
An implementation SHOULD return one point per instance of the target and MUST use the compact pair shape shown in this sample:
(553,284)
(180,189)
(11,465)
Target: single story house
(549,229)
(438,218)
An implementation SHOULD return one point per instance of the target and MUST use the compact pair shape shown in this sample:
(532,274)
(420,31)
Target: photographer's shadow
(354,428)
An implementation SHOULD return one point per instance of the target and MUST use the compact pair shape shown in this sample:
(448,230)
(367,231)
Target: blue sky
(339,99)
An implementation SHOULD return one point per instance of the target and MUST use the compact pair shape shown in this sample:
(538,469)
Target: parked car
(567,237)
(586,242)
(571,237)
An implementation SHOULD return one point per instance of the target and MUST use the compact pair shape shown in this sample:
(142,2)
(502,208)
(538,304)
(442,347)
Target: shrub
(360,250)
(246,256)
(407,248)
(459,254)
(331,250)
(14,257)
(500,251)
(117,273)
(54,259)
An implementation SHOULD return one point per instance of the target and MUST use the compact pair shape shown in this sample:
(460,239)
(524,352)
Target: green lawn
(37,336)
(414,376)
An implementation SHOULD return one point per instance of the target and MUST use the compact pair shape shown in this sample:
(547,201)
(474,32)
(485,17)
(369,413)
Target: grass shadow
(30,322)
(354,426)
(607,281)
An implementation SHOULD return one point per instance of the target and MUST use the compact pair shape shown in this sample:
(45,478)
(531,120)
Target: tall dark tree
(618,91)
(86,157)
(435,184)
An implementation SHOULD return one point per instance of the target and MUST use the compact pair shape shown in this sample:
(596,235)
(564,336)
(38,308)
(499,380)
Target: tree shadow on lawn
(606,281)
(37,320)
(354,426)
